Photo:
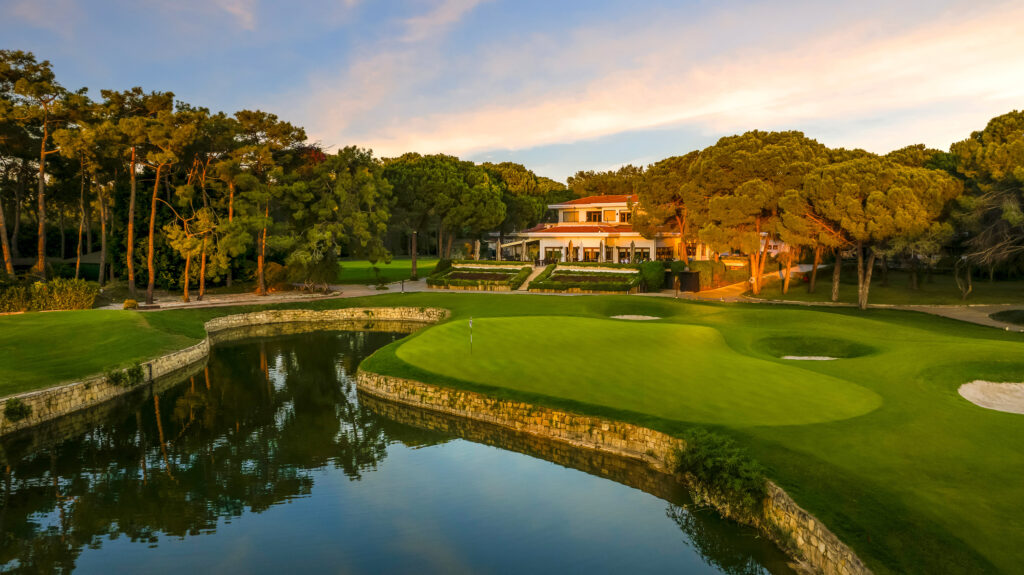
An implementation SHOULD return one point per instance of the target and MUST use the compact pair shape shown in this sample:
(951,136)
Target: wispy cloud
(659,76)
(244,11)
(438,19)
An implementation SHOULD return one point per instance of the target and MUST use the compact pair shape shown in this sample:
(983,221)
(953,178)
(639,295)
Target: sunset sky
(557,86)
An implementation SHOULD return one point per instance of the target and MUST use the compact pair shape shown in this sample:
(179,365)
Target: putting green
(686,372)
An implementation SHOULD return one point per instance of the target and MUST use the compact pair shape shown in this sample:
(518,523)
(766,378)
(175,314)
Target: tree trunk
(103,235)
(501,240)
(40,267)
(130,246)
(837,268)
(231,217)
(188,264)
(78,246)
(202,271)
(88,227)
(753,271)
(19,193)
(864,271)
(448,246)
(152,236)
(991,273)
(261,287)
(789,264)
(681,223)
(412,251)
(814,269)
(8,258)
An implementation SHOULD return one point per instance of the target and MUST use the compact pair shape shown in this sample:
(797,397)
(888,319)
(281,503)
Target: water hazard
(267,460)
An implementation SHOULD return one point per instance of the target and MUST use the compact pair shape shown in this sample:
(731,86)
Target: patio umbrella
(568,253)
(632,252)
(600,253)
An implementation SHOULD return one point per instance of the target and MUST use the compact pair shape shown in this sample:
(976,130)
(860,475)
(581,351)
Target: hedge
(482,263)
(56,294)
(600,265)
(653,274)
(520,277)
(514,280)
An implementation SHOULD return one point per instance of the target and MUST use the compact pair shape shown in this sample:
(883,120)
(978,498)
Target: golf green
(689,372)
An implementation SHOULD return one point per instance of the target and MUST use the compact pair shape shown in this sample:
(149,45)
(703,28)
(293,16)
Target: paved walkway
(536,272)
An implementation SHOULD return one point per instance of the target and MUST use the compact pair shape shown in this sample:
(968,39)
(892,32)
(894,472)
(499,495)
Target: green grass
(1014,316)
(361,271)
(941,291)
(878,445)
(41,349)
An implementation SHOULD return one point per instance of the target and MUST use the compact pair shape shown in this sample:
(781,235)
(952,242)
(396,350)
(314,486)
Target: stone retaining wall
(482,287)
(790,526)
(51,403)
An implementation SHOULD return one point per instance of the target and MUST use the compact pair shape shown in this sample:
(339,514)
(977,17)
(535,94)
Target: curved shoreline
(54,402)
(794,530)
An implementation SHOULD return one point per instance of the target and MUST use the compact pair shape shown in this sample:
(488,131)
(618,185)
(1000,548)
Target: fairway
(689,373)
(361,271)
(878,444)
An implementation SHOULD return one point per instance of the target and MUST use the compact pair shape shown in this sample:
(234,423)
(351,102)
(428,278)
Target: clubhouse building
(596,229)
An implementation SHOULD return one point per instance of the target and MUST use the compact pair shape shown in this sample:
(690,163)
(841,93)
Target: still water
(267,460)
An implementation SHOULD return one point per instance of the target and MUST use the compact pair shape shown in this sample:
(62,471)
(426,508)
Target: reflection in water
(203,461)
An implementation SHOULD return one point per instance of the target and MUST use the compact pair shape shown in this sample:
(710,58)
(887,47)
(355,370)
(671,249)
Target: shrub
(517,280)
(135,375)
(63,294)
(14,298)
(441,267)
(723,466)
(15,409)
(130,304)
(116,377)
(653,274)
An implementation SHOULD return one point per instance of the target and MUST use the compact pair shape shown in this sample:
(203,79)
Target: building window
(593,216)
(570,216)
(665,254)
(625,217)
(553,254)
(623,255)
(642,255)
(608,257)
(591,254)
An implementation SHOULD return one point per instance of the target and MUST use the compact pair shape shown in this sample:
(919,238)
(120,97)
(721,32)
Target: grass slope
(361,271)
(924,483)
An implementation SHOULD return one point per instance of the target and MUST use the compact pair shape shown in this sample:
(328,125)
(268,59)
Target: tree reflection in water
(247,436)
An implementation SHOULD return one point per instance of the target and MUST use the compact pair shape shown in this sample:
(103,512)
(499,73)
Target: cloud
(663,75)
(244,11)
(437,21)
(55,15)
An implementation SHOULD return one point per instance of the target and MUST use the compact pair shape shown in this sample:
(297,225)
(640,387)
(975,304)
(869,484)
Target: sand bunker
(1008,397)
(809,357)
(635,317)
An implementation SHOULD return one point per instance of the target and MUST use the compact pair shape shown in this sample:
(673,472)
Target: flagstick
(471,335)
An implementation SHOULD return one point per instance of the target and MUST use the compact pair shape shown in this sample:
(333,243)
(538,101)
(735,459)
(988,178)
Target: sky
(556,85)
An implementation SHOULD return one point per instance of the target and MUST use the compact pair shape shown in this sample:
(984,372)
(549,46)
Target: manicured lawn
(941,291)
(361,271)
(41,349)
(879,445)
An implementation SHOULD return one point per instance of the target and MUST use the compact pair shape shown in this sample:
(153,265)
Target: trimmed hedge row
(600,265)
(716,274)
(482,263)
(513,279)
(56,294)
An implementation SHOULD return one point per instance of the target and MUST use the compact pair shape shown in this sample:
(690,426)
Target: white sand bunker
(809,357)
(635,317)
(1007,397)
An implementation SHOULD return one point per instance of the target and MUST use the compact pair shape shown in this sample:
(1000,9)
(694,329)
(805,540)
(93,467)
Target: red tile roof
(610,199)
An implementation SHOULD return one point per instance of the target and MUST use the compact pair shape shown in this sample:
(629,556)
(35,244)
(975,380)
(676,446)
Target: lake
(268,460)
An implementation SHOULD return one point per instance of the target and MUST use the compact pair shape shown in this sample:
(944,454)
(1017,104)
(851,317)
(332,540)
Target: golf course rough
(578,359)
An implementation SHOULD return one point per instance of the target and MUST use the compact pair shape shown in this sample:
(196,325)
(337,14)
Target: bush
(517,280)
(15,409)
(723,466)
(653,275)
(482,263)
(441,267)
(135,375)
(14,298)
(63,294)
(130,304)
(116,377)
